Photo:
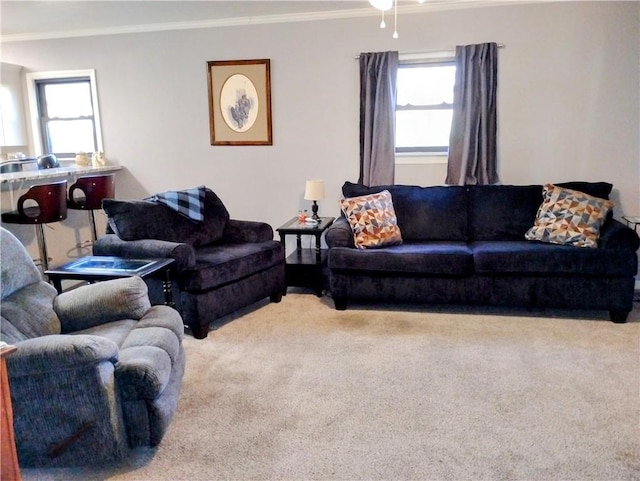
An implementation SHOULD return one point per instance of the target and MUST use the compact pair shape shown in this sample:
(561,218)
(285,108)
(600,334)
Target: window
(64,113)
(424,106)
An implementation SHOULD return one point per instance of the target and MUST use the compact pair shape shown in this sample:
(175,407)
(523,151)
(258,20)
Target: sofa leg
(340,303)
(200,332)
(619,317)
(277,297)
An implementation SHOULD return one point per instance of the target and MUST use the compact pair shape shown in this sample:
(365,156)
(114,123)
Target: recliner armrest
(101,303)
(339,234)
(247,231)
(59,352)
(111,245)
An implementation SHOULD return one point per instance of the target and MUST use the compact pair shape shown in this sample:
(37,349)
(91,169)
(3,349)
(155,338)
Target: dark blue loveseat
(466,245)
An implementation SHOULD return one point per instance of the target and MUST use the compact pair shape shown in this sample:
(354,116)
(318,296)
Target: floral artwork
(239,100)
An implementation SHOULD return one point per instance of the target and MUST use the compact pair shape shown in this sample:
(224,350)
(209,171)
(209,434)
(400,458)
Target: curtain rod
(425,52)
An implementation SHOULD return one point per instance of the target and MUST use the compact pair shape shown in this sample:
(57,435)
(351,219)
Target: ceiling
(33,20)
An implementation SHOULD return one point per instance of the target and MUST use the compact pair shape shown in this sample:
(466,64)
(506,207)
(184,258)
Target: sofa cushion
(148,350)
(596,189)
(28,313)
(218,265)
(112,300)
(436,258)
(436,213)
(569,217)
(550,260)
(372,220)
(142,372)
(145,219)
(502,212)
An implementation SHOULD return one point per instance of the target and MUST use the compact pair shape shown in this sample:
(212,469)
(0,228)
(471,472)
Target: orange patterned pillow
(372,220)
(569,217)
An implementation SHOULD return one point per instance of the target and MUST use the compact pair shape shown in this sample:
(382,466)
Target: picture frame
(240,102)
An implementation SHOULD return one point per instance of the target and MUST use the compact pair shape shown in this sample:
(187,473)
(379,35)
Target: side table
(304,265)
(632,221)
(10,470)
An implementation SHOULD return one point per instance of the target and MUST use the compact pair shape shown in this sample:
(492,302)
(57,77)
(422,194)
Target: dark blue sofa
(466,245)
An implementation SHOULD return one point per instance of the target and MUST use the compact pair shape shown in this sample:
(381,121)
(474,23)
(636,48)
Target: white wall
(569,102)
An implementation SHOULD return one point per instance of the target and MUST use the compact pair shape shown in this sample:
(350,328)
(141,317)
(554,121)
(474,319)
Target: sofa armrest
(615,235)
(112,245)
(95,304)
(339,234)
(43,355)
(247,231)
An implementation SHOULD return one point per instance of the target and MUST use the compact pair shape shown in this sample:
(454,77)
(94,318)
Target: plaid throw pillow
(188,203)
(569,217)
(372,220)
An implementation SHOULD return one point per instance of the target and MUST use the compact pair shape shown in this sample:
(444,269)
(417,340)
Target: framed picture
(240,102)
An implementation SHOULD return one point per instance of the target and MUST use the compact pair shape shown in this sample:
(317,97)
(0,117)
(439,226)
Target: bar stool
(91,190)
(51,206)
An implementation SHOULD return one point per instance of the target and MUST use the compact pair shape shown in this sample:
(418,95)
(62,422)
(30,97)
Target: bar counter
(26,178)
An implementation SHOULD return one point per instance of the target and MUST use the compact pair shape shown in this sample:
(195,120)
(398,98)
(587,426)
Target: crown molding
(429,6)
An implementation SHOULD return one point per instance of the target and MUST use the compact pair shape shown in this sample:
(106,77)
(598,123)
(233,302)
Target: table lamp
(314,190)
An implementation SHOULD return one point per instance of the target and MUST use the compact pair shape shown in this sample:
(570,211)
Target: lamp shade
(381,4)
(314,190)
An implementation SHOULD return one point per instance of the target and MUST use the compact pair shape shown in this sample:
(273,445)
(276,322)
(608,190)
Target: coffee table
(102,268)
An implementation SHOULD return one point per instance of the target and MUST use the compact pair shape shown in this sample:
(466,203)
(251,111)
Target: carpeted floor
(298,390)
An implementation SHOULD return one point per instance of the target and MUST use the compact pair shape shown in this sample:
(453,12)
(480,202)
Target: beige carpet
(298,390)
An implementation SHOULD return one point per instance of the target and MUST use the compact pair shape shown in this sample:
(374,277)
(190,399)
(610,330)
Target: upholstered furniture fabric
(486,260)
(111,301)
(188,202)
(145,219)
(97,370)
(372,220)
(225,267)
(423,213)
(569,217)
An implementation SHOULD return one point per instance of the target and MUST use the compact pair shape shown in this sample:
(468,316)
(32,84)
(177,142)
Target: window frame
(33,79)
(406,155)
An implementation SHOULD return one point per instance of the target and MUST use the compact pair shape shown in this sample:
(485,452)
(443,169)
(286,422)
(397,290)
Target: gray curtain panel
(378,73)
(472,145)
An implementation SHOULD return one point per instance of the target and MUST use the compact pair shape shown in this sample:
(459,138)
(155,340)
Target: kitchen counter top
(65,171)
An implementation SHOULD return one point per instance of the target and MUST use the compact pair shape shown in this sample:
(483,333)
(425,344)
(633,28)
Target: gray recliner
(97,370)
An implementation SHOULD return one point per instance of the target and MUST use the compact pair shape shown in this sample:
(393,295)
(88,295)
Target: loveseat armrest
(101,303)
(111,245)
(247,231)
(339,234)
(45,355)
(615,235)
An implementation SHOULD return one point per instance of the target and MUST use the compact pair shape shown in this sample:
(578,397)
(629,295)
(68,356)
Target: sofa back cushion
(27,301)
(507,212)
(502,212)
(423,213)
(596,189)
(145,219)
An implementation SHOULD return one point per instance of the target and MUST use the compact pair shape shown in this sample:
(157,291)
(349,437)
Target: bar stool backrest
(95,188)
(51,201)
